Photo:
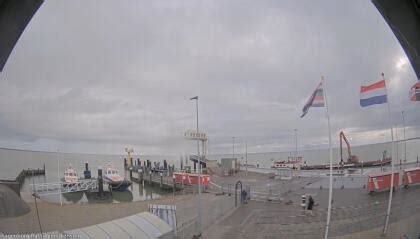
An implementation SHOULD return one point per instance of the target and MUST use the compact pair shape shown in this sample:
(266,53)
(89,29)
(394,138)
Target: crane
(351,158)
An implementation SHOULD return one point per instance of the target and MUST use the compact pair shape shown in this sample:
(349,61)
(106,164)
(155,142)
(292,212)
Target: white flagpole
(391,189)
(331,170)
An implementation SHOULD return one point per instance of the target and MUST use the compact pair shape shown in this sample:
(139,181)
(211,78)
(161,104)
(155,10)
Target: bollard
(182,183)
(87,173)
(173,190)
(100,183)
(140,175)
(150,178)
(161,180)
(303,202)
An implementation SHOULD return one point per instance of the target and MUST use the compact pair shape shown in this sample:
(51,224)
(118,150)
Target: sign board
(195,135)
(165,212)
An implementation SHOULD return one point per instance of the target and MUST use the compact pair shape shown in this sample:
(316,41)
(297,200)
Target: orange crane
(351,158)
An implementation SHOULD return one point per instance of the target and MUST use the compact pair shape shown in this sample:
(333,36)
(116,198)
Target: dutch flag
(373,94)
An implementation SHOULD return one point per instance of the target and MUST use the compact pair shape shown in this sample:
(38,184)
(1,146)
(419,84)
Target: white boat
(113,179)
(290,163)
(70,177)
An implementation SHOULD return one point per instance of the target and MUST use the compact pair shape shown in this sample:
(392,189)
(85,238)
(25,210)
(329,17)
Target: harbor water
(13,161)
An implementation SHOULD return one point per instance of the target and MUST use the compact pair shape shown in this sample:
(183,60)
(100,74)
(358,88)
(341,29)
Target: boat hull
(119,185)
(352,165)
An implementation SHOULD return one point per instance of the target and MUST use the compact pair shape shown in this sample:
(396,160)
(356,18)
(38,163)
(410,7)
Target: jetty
(16,184)
(160,178)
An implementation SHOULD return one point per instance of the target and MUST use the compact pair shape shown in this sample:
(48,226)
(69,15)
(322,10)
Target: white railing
(42,189)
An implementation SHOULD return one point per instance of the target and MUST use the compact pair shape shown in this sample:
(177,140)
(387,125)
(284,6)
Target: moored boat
(113,179)
(290,163)
(70,177)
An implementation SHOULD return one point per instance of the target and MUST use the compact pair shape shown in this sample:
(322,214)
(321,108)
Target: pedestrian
(310,204)
(245,196)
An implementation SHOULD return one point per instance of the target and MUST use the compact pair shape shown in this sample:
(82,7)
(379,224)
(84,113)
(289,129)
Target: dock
(15,184)
(159,178)
(154,179)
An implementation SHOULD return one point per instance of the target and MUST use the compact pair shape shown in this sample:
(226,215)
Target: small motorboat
(114,180)
(70,177)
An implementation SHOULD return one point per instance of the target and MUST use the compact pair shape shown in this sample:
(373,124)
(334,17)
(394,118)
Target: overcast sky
(94,76)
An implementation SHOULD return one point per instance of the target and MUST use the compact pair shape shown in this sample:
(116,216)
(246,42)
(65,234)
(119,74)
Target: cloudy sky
(94,76)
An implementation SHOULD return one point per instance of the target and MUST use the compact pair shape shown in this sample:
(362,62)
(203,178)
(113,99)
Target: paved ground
(354,210)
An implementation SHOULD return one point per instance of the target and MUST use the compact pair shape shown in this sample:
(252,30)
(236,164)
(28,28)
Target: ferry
(114,180)
(290,163)
(70,177)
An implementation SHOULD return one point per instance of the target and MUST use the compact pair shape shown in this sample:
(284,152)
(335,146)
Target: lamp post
(296,143)
(405,142)
(233,154)
(198,174)
(246,158)
(58,173)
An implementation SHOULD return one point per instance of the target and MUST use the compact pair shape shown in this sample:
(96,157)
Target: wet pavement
(275,212)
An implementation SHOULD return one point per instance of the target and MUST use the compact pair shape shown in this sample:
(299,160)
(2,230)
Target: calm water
(321,156)
(13,161)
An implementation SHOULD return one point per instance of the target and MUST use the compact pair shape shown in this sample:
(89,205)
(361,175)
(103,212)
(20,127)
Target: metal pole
(362,168)
(246,158)
(233,154)
(199,175)
(397,157)
(296,142)
(405,142)
(331,154)
(391,188)
(58,175)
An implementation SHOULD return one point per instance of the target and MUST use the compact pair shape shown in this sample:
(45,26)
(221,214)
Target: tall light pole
(405,142)
(58,173)
(199,174)
(233,154)
(296,143)
(246,158)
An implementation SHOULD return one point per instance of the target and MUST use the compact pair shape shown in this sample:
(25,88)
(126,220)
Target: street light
(405,142)
(246,158)
(199,174)
(233,154)
(296,143)
(58,173)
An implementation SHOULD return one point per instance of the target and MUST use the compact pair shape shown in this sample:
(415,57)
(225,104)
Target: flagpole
(391,189)
(330,148)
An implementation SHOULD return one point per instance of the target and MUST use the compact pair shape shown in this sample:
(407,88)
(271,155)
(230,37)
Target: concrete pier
(16,184)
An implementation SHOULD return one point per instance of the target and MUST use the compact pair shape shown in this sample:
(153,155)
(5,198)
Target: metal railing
(42,189)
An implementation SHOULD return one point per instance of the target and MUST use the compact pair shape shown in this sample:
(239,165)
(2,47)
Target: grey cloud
(89,75)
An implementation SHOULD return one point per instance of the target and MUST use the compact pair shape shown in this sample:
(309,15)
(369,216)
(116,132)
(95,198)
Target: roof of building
(142,225)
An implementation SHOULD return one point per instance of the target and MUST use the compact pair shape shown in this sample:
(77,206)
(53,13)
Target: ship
(70,177)
(290,163)
(114,180)
(352,161)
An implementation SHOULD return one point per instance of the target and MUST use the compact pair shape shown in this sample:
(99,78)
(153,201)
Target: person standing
(310,204)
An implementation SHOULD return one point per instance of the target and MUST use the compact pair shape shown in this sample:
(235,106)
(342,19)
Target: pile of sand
(11,205)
